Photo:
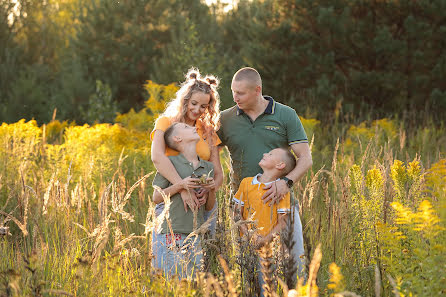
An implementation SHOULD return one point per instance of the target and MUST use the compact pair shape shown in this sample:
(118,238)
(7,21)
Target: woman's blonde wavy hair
(194,83)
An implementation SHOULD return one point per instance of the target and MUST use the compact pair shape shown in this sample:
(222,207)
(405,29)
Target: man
(258,124)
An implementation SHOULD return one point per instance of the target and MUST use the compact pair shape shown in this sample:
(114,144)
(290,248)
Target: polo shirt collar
(269,109)
(186,161)
(255,180)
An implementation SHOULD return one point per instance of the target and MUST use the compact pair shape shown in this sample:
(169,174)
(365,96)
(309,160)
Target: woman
(197,103)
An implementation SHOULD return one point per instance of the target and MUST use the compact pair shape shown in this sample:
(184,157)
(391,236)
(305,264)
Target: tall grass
(76,216)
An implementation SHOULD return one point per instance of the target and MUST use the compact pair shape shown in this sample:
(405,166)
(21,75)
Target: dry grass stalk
(366,153)
(346,294)
(392,282)
(402,139)
(119,203)
(120,243)
(101,233)
(157,222)
(77,196)
(57,292)
(309,188)
(377,282)
(103,203)
(150,217)
(66,192)
(314,268)
(216,284)
(19,224)
(311,143)
(203,228)
(333,165)
(266,255)
(290,263)
(228,277)
(46,196)
(284,286)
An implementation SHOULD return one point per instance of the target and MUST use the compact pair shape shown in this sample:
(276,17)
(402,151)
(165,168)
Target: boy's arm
(282,221)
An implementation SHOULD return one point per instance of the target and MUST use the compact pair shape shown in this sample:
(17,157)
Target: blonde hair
(194,83)
(289,160)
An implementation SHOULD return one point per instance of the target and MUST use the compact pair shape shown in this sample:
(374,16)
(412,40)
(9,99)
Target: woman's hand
(190,183)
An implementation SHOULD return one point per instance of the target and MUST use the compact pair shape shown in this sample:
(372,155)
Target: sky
(230,3)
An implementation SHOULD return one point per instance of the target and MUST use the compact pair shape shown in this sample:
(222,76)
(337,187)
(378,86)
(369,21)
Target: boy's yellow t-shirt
(203,147)
(249,195)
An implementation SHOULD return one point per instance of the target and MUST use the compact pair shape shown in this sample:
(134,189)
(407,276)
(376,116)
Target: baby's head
(280,159)
(180,134)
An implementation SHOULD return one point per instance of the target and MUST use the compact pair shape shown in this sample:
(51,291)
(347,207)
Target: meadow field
(76,212)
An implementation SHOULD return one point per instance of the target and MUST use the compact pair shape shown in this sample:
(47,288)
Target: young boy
(270,219)
(172,253)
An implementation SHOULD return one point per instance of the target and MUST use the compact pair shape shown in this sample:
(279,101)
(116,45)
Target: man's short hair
(249,74)
(168,137)
(289,160)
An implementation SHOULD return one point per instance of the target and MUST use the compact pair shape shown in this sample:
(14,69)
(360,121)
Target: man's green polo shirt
(182,222)
(247,140)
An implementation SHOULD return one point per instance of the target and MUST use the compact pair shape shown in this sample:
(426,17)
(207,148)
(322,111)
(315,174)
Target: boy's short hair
(168,137)
(249,74)
(289,160)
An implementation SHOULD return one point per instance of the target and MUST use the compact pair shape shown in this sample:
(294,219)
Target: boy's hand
(276,191)
(209,184)
(202,195)
(189,199)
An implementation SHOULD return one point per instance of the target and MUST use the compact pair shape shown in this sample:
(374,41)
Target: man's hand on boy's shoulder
(276,191)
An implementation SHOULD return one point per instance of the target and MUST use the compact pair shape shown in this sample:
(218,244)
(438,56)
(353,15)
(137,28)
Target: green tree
(384,56)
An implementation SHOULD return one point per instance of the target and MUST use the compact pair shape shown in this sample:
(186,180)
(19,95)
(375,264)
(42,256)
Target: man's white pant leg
(298,248)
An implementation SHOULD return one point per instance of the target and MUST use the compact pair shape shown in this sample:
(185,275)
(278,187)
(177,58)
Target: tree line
(330,59)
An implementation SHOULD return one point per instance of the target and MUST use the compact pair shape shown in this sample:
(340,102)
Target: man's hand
(276,191)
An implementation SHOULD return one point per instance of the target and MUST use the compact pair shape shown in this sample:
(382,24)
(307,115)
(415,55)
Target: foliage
(101,106)
(339,61)
(365,54)
(143,120)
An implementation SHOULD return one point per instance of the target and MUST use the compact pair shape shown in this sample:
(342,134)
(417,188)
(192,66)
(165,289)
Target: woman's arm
(161,161)
(166,169)
(218,171)
(210,201)
(172,190)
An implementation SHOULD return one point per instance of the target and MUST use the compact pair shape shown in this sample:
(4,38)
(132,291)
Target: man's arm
(277,190)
